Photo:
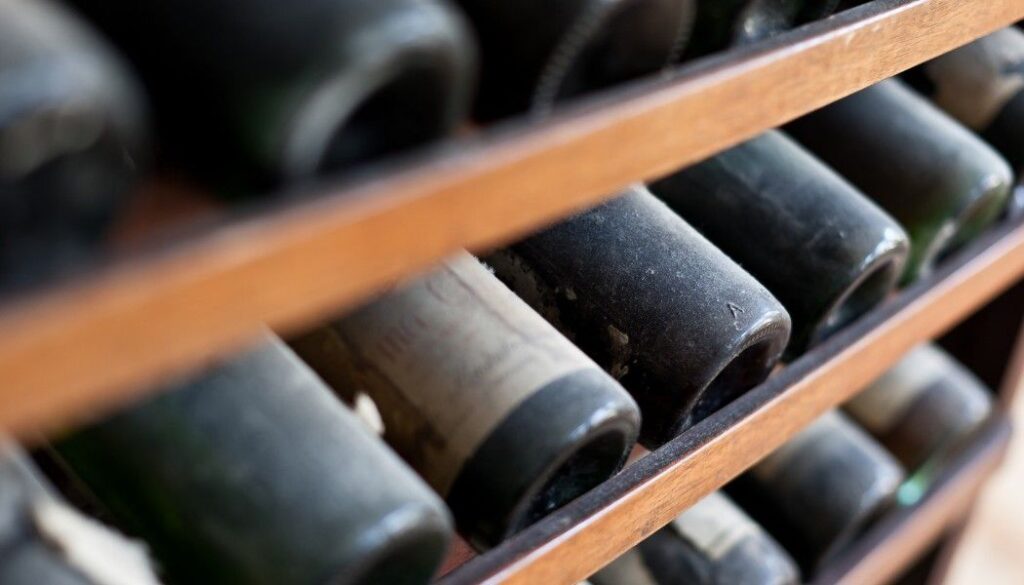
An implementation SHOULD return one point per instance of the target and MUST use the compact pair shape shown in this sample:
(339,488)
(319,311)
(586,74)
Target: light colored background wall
(993,549)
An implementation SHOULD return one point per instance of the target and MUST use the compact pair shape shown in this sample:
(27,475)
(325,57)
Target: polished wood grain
(79,350)
(884,552)
(593,530)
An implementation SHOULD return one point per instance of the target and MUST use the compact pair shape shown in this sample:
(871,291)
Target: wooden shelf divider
(576,541)
(82,348)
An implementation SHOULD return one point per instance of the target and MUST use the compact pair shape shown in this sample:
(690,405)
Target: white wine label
(885,402)
(368,413)
(447,358)
(975,82)
(103,556)
(715,525)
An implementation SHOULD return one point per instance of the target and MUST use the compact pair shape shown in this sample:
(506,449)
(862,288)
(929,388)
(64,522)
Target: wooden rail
(77,350)
(584,536)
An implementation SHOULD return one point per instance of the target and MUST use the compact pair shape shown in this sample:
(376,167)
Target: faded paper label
(974,83)
(446,358)
(715,525)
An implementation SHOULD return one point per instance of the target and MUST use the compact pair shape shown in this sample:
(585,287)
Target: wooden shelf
(75,351)
(588,533)
(893,544)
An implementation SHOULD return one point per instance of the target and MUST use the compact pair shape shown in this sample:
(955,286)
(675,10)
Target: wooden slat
(891,546)
(66,354)
(593,530)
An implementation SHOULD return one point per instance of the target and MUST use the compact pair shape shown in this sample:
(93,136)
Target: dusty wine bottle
(671,317)
(712,543)
(724,23)
(923,410)
(979,84)
(44,541)
(535,52)
(252,472)
(272,93)
(942,183)
(820,490)
(820,246)
(982,86)
(501,414)
(72,141)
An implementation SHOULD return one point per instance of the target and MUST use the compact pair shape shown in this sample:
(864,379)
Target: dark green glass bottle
(820,490)
(942,183)
(725,23)
(259,94)
(536,52)
(712,543)
(253,472)
(924,410)
(498,411)
(73,140)
(670,316)
(982,86)
(823,249)
(44,541)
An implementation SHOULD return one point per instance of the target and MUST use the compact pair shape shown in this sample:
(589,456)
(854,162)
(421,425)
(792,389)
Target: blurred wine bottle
(982,86)
(258,95)
(671,317)
(252,472)
(724,23)
(501,414)
(819,491)
(43,541)
(821,247)
(712,543)
(924,410)
(535,52)
(73,139)
(942,183)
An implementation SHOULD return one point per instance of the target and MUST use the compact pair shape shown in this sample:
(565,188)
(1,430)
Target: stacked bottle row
(99,93)
(808,502)
(689,291)
(245,472)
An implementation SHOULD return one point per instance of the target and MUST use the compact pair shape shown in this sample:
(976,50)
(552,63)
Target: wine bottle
(252,472)
(820,490)
(942,183)
(258,95)
(712,543)
(982,86)
(671,317)
(923,411)
(535,52)
(820,246)
(500,414)
(724,23)
(72,141)
(44,541)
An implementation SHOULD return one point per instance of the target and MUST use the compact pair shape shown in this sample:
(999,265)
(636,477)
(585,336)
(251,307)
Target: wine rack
(649,494)
(81,348)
